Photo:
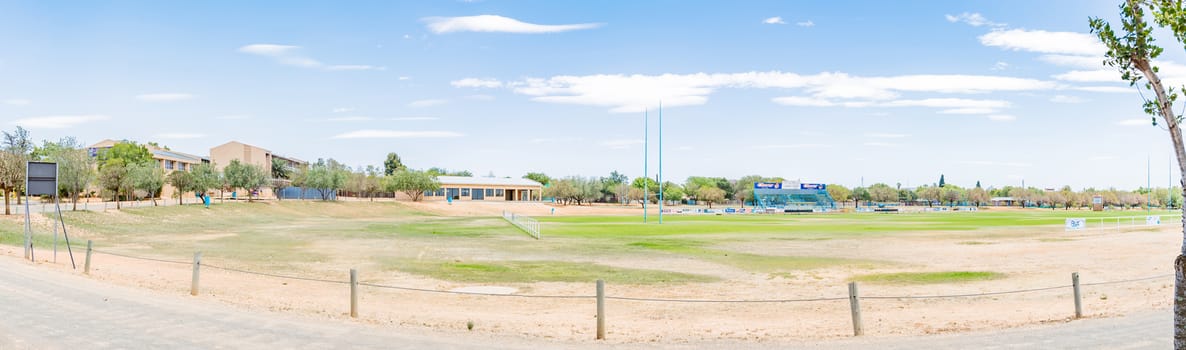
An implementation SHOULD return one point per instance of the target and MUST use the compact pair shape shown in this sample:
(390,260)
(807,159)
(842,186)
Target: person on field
(206,200)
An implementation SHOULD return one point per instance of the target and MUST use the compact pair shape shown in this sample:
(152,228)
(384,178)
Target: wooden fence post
(600,309)
(1078,298)
(87,267)
(354,293)
(854,300)
(193,286)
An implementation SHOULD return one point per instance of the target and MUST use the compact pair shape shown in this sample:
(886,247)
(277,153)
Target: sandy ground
(1029,262)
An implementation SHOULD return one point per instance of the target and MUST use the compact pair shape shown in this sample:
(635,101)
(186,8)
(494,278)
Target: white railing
(1121,222)
(531,226)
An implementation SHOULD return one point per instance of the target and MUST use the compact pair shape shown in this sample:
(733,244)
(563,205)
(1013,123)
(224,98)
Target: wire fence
(601,297)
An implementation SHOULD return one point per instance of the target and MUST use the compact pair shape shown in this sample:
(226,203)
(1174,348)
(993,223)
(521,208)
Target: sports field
(737,257)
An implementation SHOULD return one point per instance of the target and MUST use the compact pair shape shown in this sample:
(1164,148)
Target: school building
(166,159)
(223,154)
(467,188)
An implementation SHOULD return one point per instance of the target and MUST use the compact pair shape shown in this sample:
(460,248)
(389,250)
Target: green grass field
(320,237)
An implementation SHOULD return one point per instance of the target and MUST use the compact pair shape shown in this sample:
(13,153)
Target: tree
(942,181)
(883,193)
(148,178)
(672,192)
(206,177)
(1132,53)
(710,194)
(112,177)
(183,181)
(76,169)
(412,183)
(249,177)
(930,194)
(392,164)
(280,169)
(541,178)
(561,190)
(327,176)
(860,194)
(17,149)
(978,196)
(839,193)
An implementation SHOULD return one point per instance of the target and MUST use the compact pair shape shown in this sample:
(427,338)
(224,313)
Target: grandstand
(792,197)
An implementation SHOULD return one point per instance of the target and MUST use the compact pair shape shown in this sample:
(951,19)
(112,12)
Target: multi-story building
(167,159)
(222,155)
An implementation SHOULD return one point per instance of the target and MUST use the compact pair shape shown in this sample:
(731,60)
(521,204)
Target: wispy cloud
(995,163)
(291,55)
(480,97)
(1110,89)
(791,146)
(1001,118)
(973,19)
(774,20)
(476,83)
(405,119)
(621,143)
(807,23)
(498,24)
(1000,65)
(880,144)
(165,97)
(353,118)
(58,121)
(427,103)
(882,135)
(396,134)
(179,136)
(16,102)
(1098,75)
(1135,122)
(1040,41)
(1067,99)
(342,110)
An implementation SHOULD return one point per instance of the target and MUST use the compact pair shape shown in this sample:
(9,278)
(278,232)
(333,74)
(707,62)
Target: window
(440,192)
(498,193)
(465,192)
(169,164)
(181,166)
(428,193)
(489,192)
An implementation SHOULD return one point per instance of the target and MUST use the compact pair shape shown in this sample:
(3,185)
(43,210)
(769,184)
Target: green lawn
(305,236)
(928,277)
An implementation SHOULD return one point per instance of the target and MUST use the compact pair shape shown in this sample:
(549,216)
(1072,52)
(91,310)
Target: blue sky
(895,92)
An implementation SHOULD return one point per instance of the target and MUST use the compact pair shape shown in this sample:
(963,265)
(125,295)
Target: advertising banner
(1075,224)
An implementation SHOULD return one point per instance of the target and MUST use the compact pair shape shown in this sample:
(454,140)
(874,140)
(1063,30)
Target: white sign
(1076,224)
(1152,220)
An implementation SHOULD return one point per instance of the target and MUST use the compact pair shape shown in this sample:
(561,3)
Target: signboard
(1153,220)
(768,185)
(1097,200)
(41,179)
(730,210)
(813,186)
(1075,224)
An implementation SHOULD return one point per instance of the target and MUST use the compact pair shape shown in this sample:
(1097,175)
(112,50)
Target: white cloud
(1000,65)
(16,102)
(1073,60)
(290,55)
(342,110)
(621,144)
(476,83)
(404,119)
(973,19)
(968,111)
(164,97)
(1041,41)
(179,136)
(949,103)
(544,140)
(1001,118)
(427,103)
(880,144)
(1067,99)
(1136,122)
(882,135)
(635,93)
(1112,89)
(58,121)
(792,146)
(803,101)
(340,67)
(233,117)
(350,119)
(499,24)
(405,78)
(395,134)
(774,20)
(1099,75)
(807,23)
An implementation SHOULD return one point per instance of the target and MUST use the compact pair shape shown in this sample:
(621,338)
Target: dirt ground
(1028,262)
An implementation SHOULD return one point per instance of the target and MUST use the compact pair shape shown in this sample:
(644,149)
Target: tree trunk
(74,199)
(7,195)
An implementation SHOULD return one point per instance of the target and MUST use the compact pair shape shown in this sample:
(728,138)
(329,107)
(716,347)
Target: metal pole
(660,162)
(646,172)
(89,248)
(69,250)
(1078,300)
(600,310)
(28,226)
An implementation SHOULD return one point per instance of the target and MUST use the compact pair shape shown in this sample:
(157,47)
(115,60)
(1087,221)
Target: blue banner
(768,185)
(813,186)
